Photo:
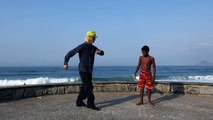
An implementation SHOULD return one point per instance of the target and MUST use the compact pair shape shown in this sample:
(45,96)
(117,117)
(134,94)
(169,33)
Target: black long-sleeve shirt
(86,56)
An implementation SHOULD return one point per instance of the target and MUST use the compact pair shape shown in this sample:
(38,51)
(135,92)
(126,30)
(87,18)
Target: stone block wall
(19,92)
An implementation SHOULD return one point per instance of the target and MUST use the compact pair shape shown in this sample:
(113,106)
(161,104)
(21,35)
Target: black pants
(86,90)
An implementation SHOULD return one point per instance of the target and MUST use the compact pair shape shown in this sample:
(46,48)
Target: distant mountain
(204,62)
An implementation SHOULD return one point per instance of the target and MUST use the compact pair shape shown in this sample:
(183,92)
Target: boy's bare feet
(152,104)
(139,103)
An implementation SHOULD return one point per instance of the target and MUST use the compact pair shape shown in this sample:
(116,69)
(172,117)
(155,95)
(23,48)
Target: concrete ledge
(19,92)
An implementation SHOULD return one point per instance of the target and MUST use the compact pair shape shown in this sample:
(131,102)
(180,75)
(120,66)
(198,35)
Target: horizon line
(98,65)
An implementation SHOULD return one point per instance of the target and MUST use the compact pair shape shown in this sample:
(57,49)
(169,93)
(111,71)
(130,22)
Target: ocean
(10,76)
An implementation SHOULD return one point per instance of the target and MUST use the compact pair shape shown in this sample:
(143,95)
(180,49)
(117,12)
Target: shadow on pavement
(176,91)
(116,101)
(169,96)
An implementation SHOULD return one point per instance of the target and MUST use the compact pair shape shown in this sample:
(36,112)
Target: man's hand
(65,67)
(99,52)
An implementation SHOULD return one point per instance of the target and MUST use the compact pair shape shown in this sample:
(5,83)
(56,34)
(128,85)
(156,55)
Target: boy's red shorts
(145,78)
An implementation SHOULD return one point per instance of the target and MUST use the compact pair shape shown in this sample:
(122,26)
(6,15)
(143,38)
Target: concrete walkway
(114,106)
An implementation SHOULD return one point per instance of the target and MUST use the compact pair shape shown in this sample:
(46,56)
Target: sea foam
(34,81)
(204,79)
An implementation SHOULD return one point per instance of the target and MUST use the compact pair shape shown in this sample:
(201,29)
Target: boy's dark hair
(145,48)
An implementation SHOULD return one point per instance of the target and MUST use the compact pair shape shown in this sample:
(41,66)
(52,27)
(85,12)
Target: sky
(41,32)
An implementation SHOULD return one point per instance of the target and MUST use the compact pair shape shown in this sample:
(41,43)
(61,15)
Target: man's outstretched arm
(70,54)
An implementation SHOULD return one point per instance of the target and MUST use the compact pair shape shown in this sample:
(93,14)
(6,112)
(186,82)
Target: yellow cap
(91,34)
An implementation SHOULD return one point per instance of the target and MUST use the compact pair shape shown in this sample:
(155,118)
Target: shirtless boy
(145,62)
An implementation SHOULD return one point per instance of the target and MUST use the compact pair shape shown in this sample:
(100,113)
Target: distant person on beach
(146,78)
(86,53)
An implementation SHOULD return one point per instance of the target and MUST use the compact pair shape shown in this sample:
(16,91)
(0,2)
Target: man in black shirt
(86,53)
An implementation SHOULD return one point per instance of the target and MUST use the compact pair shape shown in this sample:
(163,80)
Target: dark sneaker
(81,104)
(93,107)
